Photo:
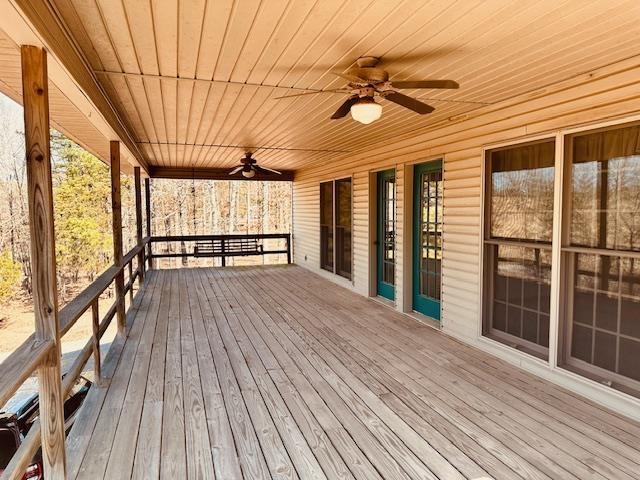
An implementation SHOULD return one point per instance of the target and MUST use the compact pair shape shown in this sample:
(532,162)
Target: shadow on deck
(274,372)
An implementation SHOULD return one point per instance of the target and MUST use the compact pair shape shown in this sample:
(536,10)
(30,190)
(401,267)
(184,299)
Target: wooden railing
(26,359)
(221,238)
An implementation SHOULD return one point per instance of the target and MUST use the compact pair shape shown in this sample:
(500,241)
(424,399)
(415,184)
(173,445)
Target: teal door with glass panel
(427,238)
(386,238)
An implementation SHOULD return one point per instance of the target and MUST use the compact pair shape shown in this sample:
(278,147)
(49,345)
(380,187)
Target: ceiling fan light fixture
(366,110)
(249,173)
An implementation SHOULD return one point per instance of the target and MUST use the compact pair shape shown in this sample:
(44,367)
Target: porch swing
(227,245)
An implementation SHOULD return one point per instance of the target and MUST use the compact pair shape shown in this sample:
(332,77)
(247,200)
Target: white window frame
(550,369)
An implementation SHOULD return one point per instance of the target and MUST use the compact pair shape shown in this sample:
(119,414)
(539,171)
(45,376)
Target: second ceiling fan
(367,81)
(249,167)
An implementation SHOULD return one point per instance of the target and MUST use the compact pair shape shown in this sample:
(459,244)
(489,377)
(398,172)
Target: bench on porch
(230,247)
(223,246)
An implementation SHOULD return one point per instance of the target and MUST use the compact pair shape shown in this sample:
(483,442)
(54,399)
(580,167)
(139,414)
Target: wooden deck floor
(274,372)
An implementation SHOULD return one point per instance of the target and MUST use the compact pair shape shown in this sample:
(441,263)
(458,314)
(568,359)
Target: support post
(138,188)
(43,260)
(288,248)
(147,193)
(116,208)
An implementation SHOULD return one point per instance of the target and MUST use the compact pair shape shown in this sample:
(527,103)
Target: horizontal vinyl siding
(460,244)
(610,92)
(361,232)
(306,224)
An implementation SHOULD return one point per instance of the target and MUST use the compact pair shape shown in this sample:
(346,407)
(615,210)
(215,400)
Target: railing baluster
(131,282)
(95,323)
(223,259)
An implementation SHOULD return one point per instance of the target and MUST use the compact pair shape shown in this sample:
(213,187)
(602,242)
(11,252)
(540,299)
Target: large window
(517,245)
(601,256)
(335,227)
(599,243)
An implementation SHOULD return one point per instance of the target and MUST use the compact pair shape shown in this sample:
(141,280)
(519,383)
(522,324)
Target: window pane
(343,227)
(388,227)
(629,354)
(522,192)
(326,226)
(605,213)
(605,203)
(606,312)
(520,183)
(521,281)
(431,228)
(582,342)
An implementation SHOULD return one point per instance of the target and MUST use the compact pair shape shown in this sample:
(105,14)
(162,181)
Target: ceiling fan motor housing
(247,159)
(372,75)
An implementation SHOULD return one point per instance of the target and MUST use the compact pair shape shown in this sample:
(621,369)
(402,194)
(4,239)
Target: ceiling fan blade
(236,170)
(351,78)
(337,90)
(345,107)
(408,102)
(425,84)
(267,170)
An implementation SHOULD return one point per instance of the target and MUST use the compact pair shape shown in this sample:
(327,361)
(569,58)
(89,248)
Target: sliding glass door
(343,227)
(335,227)
(326,226)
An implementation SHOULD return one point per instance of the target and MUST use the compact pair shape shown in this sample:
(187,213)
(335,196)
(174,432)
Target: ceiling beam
(215,174)
(46,22)
(110,73)
(246,148)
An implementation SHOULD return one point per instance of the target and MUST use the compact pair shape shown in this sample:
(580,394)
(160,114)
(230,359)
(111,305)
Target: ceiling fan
(367,81)
(249,167)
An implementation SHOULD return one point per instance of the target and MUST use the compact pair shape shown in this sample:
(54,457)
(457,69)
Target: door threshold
(424,319)
(385,301)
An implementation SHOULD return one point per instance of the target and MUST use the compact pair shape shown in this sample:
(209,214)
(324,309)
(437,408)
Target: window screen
(603,318)
(519,225)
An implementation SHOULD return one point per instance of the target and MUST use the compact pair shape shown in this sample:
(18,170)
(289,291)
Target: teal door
(427,238)
(386,238)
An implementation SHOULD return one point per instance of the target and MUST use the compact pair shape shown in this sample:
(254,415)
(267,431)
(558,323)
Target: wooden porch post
(147,193)
(116,207)
(43,259)
(138,187)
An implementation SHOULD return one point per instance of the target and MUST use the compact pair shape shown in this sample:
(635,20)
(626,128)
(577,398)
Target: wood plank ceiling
(65,116)
(196,80)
